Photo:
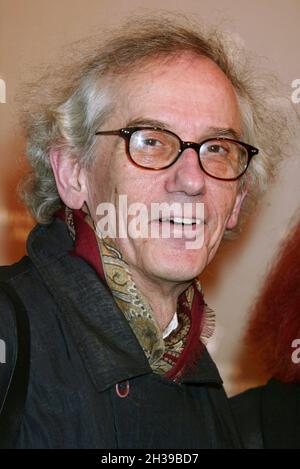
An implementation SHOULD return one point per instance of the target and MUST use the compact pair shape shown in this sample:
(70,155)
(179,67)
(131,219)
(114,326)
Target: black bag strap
(11,410)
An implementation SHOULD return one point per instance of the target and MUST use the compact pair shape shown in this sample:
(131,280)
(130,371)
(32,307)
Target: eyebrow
(209,132)
(147,122)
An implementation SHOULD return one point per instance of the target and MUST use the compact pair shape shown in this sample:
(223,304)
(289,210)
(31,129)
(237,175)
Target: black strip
(13,407)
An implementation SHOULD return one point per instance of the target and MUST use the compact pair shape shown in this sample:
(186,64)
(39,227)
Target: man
(157,115)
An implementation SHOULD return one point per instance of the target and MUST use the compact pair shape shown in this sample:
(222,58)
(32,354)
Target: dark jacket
(82,347)
(269,416)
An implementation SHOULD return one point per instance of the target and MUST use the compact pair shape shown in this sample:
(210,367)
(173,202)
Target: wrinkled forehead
(186,87)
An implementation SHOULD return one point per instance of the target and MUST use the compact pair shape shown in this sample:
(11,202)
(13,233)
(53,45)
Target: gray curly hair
(76,102)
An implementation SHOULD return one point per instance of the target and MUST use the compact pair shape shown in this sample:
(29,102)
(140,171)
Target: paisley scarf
(181,349)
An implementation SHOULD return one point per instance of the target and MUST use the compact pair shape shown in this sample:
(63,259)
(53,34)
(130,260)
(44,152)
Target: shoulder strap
(11,410)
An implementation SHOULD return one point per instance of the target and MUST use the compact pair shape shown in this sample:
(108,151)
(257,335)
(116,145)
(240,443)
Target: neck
(162,297)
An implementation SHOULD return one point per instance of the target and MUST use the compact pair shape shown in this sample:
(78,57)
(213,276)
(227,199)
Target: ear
(234,217)
(70,178)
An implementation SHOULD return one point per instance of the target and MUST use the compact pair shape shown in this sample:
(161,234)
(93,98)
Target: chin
(177,265)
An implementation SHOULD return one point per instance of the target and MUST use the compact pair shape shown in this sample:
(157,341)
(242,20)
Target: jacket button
(122,389)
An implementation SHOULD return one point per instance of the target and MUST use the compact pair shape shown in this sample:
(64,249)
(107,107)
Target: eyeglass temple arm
(108,132)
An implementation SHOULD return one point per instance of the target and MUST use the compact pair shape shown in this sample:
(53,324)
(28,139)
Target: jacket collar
(105,341)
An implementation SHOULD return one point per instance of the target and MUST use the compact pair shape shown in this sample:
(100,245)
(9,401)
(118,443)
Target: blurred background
(32,33)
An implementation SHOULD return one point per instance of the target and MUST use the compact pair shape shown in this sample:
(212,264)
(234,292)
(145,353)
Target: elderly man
(111,328)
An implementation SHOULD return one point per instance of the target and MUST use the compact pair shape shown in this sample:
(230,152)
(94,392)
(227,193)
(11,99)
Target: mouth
(181,228)
(180,221)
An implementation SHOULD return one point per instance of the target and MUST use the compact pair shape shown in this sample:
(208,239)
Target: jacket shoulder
(9,272)
(8,331)
(281,415)
(246,410)
(8,275)
(269,415)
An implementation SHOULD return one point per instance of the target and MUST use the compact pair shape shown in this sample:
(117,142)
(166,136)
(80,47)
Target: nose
(187,175)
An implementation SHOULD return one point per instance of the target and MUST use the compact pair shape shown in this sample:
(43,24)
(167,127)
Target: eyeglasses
(154,148)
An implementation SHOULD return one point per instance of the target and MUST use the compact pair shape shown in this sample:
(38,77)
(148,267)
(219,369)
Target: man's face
(193,98)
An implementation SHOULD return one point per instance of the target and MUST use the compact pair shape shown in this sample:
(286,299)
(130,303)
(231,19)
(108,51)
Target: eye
(216,148)
(151,142)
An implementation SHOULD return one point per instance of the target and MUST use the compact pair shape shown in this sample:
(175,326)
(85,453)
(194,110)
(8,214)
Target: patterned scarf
(181,349)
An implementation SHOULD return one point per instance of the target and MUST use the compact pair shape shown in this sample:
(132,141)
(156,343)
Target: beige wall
(32,31)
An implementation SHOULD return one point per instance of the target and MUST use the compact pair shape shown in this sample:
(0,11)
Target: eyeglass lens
(157,149)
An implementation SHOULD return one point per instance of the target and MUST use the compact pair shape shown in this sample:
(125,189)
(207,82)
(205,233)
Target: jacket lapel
(108,347)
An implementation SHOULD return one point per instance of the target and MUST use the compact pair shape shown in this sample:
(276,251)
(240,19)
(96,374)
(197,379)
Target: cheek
(140,186)
(99,183)
(221,200)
